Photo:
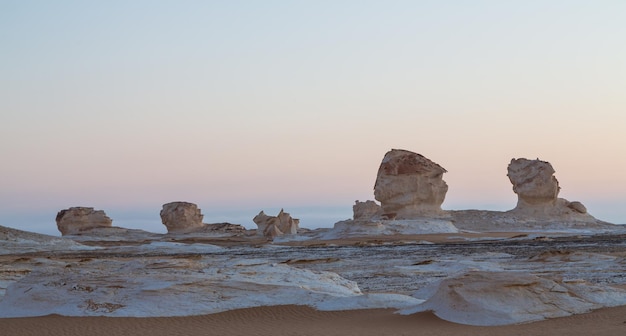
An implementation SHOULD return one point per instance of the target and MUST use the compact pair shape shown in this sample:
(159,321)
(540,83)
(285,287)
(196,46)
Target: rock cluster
(181,217)
(79,219)
(410,189)
(272,226)
(408,185)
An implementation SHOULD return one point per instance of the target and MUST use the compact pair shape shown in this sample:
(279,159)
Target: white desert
(401,266)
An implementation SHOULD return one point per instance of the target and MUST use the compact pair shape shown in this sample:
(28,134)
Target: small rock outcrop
(272,226)
(76,220)
(366,210)
(181,217)
(537,190)
(409,185)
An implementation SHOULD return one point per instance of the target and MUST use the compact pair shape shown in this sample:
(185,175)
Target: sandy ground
(300,320)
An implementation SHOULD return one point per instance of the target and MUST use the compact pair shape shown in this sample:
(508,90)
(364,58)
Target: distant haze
(240,106)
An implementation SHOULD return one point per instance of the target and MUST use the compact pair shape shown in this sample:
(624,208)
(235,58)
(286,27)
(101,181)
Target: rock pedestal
(409,185)
(181,217)
(537,190)
(80,219)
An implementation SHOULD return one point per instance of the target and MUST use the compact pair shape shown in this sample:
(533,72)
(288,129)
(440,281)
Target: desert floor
(301,320)
(359,259)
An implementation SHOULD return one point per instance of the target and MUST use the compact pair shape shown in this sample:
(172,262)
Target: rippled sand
(299,320)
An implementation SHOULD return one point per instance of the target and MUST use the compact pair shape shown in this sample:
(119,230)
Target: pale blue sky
(126,105)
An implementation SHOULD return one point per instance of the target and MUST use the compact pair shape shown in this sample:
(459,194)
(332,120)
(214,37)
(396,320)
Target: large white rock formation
(179,286)
(538,205)
(537,191)
(76,220)
(409,185)
(498,298)
(181,217)
(272,226)
(410,189)
(368,219)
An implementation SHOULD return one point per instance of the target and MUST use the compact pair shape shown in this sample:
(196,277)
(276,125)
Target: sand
(301,320)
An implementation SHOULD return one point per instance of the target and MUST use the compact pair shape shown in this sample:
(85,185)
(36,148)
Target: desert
(312,167)
(404,266)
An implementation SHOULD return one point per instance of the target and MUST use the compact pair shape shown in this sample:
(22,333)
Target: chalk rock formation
(170,286)
(272,226)
(409,185)
(538,205)
(537,190)
(368,219)
(366,210)
(181,217)
(79,219)
(14,241)
(497,298)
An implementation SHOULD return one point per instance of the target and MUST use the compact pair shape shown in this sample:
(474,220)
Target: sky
(242,106)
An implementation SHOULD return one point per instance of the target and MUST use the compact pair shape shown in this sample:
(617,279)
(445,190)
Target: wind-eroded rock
(409,185)
(272,226)
(497,298)
(537,190)
(368,219)
(366,210)
(79,219)
(181,217)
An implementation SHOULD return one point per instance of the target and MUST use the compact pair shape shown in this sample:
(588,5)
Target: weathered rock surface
(80,219)
(533,182)
(225,228)
(411,190)
(363,228)
(186,218)
(537,192)
(366,210)
(217,230)
(192,277)
(272,226)
(167,287)
(18,241)
(181,217)
(498,298)
(508,221)
(409,185)
(538,207)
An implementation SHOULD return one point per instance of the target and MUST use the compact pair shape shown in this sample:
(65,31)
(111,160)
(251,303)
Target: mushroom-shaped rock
(181,217)
(79,219)
(537,190)
(409,185)
(272,226)
(533,182)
